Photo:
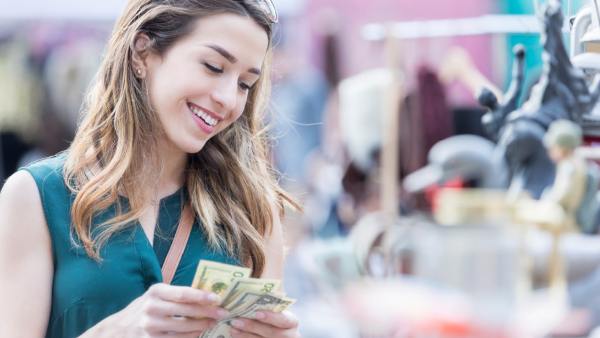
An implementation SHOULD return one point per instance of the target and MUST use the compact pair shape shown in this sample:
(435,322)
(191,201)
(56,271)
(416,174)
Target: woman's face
(200,85)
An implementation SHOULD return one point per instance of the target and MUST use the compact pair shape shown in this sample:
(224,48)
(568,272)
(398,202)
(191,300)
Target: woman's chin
(195,147)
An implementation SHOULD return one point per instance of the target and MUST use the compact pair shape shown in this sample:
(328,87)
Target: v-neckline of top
(165,204)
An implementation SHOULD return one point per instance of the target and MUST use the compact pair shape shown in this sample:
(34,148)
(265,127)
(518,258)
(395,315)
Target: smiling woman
(226,53)
(172,123)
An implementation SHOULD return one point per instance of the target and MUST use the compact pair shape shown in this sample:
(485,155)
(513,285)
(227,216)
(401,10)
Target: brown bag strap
(178,245)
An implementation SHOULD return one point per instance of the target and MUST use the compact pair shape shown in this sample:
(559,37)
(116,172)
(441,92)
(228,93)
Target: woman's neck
(172,162)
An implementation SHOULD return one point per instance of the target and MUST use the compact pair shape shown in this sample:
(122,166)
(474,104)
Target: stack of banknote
(241,295)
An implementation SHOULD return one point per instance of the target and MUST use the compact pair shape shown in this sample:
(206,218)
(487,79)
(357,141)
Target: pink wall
(358,55)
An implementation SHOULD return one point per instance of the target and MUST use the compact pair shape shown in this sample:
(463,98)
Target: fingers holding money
(182,301)
(266,324)
(284,320)
(181,326)
(259,330)
(241,334)
(243,297)
(176,335)
(183,294)
(171,309)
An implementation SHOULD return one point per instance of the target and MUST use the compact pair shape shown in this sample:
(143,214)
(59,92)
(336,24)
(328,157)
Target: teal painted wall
(532,42)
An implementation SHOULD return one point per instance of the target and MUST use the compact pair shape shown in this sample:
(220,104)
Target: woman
(173,119)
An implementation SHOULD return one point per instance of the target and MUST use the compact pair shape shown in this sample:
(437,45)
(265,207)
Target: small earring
(139,71)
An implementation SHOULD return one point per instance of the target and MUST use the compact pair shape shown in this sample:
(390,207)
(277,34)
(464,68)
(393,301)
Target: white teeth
(204,116)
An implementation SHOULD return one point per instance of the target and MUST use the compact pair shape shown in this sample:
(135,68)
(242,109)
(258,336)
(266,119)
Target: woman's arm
(274,249)
(26,267)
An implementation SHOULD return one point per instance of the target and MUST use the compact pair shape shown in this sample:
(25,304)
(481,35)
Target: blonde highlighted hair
(229,183)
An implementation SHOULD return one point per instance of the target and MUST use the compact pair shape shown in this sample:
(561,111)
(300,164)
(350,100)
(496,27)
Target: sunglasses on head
(268,7)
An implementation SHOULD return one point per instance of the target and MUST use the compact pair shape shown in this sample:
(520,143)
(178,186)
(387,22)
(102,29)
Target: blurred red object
(432,192)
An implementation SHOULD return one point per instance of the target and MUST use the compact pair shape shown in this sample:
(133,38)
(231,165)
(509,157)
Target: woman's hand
(164,310)
(266,324)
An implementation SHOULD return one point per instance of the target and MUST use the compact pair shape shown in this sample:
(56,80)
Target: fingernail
(260,315)
(222,313)
(237,323)
(214,298)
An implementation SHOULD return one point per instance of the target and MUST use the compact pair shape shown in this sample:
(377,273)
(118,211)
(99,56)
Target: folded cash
(241,295)
(217,277)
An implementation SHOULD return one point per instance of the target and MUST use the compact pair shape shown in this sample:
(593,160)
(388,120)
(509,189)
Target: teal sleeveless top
(85,291)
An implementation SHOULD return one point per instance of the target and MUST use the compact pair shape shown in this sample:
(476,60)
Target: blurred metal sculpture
(560,93)
(495,118)
(469,157)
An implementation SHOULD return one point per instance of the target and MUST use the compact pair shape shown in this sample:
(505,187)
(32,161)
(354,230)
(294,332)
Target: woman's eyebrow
(223,52)
(230,57)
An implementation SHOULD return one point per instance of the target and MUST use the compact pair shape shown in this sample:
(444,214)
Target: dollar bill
(249,303)
(219,331)
(245,307)
(240,285)
(217,277)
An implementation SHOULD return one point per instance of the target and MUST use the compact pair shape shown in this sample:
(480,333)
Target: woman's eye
(245,87)
(212,68)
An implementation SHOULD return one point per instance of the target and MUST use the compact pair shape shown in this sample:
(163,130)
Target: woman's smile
(204,118)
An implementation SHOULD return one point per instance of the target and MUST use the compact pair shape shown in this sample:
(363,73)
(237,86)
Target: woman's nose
(225,94)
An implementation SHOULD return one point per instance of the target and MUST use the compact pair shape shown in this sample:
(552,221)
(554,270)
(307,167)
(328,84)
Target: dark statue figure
(560,93)
(495,118)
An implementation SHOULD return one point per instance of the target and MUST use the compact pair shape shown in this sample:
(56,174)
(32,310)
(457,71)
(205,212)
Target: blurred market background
(358,272)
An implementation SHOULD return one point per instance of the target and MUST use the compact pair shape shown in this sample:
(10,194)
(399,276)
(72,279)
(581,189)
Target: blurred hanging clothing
(425,119)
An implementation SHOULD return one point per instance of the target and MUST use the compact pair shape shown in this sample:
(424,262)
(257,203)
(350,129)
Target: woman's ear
(141,50)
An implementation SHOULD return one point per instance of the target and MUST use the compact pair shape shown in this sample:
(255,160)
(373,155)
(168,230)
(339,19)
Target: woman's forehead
(240,37)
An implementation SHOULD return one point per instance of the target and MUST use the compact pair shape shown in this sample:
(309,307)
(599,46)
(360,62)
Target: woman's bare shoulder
(21,207)
(19,188)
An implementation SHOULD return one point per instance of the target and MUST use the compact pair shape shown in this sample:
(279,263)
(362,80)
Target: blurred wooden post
(390,124)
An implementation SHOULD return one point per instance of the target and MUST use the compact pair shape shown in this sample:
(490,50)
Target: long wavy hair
(230,183)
